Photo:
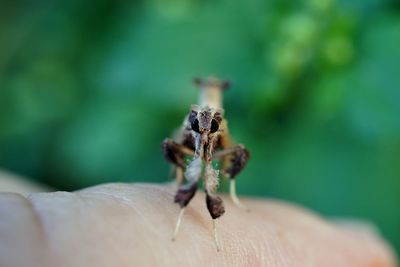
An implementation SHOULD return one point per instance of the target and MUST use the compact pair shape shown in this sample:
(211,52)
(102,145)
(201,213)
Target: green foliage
(88,90)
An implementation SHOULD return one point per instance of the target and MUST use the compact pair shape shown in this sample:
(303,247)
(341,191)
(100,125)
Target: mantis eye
(214,126)
(195,126)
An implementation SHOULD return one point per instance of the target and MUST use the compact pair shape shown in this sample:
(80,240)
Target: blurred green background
(89,89)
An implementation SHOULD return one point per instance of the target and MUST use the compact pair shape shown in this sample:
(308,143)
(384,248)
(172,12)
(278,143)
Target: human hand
(132,225)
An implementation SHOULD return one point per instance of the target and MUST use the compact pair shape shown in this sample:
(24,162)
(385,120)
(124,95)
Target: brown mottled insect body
(204,136)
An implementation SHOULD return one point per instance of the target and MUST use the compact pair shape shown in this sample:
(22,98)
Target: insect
(204,137)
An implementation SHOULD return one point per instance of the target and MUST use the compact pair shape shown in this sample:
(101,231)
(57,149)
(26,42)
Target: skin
(132,224)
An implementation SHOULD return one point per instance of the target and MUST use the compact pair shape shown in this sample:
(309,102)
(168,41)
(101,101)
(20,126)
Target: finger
(22,239)
(13,183)
(131,225)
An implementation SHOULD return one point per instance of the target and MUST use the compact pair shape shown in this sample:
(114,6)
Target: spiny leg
(238,162)
(239,156)
(216,209)
(217,245)
(234,197)
(193,171)
(179,177)
(214,203)
(178,223)
(175,153)
(182,197)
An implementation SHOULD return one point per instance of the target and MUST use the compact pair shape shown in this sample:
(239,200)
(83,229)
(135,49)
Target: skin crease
(132,224)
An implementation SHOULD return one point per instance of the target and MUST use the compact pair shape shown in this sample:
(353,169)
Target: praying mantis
(204,137)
